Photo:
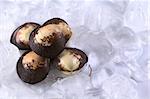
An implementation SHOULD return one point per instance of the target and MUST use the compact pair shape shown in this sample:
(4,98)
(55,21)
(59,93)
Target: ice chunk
(137,10)
(139,73)
(124,36)
(143,59)
(120,87)
(118,68)
(99,77)
(144,36)
(143,90)
(98,49)
(131,53)
(75,11)
(120,5)
(94,43)
(73,87)
(127,44)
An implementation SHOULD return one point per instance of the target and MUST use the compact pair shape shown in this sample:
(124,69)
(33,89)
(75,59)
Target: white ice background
(114,34)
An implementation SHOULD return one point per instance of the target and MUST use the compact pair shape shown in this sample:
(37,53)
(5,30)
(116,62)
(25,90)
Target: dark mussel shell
(21,45)
(32,76)
(47,51)
(83,61)
(57,21)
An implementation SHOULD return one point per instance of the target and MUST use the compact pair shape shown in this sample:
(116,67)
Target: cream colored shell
(23,34)
(69,61)
(32,61)
(48,30)
(44,32)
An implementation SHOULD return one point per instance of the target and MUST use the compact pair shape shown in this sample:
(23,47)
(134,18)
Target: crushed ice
(113,33)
